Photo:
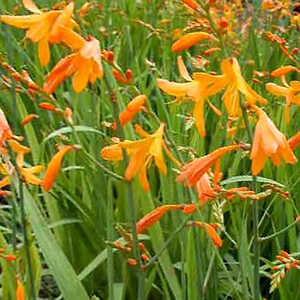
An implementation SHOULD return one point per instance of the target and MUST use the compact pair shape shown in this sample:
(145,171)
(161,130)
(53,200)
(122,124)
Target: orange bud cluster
(127,79)
(108,56)
(22,78)
(126,247)
(211,231)
(284,262)
(28,119)
(192,4)
(7,257)
(155,215)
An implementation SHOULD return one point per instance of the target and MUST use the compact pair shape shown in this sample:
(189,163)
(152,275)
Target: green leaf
(250,178)
(79,128)
(65,276)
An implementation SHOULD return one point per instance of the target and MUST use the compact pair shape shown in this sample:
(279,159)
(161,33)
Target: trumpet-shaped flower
(189,40)
(192,172)
(132,108)
(294,141)
(211,231)
(155,215)
(291,93)
(54,167)
(237,84)
(5,131)
(28,174)
(43,27)
(85,64)
(141,154)
(20,291)
(269,142)
(205,85)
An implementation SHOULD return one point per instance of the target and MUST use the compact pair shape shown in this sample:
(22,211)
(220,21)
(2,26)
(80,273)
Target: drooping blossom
(141,153)
(269,142)
(20,291)
(43,27)
(5,131)
(189,40)
(27,173)
(132,108)
(294,141)
(54,167)
(192,172)
(84,65)
(211,231)
(205,85)
(155,215)
(291,92)
(28,119)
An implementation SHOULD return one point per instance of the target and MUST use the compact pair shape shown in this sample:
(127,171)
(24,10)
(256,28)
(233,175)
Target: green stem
(136,252)
(166,244)
(256,244)
(214,27)
(265,238)
(110,261)
(26,242)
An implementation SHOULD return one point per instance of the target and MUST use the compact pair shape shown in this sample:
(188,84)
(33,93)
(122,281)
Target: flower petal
(44,51)
(199,116)
(54,167)
(31,6)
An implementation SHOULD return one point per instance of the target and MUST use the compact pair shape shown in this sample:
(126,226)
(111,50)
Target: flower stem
(214,28)
(256,244)
(131,205)
(26,242)
(265,238)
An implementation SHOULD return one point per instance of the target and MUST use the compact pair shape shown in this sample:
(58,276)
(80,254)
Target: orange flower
(85,64)
(192,4)
(193,171)
(20,292)
(28,119)
(282,71)
(54,167)
(43,27)
(294,141)
(84,9)
(197,90)
(236,84)
(5,131)
(10,257)
(47,106)
(141,154)
(132,108)
(205,85)
(211,231)
(26,173)
(204,189)
(121,78)
(269,142)
(291,93)
(154,216)
(189,40)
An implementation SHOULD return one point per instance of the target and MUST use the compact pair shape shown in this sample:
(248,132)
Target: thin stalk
(166,244)
(271,236)
(214,28)
(110,261)
(135,249)
(26,241)
(14,110)
(256,244)
(92,159)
